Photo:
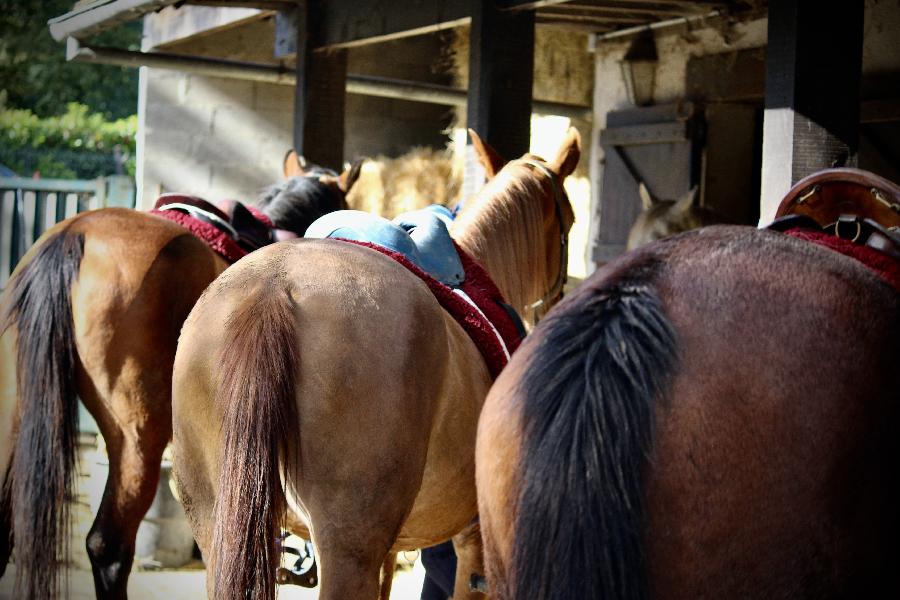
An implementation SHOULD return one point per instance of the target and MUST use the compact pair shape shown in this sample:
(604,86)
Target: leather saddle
(848,203)
(230,217)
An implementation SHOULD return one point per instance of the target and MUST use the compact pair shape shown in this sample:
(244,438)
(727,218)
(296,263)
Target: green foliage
(34,72)
(77,144)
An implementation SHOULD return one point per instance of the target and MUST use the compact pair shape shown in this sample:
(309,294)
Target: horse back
(773,470)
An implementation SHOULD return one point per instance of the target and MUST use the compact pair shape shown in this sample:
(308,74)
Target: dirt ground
(185,583)
(189,584)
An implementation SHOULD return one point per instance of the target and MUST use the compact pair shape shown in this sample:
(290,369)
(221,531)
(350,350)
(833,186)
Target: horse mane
(295,203)
(514,196)
(587,398)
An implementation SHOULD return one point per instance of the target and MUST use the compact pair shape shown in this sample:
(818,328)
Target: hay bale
(390,186)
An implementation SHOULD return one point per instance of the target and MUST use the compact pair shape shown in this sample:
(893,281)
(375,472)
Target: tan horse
(320,382)
(662,218)
(97,306)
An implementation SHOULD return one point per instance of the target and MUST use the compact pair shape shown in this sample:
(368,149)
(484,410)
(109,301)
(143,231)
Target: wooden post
(319,96)
(501,71)
(813,70)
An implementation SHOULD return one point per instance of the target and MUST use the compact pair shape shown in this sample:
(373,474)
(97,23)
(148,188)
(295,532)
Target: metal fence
(28,207)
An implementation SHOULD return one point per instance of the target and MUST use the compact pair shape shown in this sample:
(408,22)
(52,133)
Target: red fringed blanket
(482,290)
(882,264)
(215,238)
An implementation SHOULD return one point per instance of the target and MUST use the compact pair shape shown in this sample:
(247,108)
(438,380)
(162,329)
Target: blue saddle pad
(421,236)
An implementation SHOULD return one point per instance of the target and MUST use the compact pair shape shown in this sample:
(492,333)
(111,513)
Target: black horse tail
(257,399)
(38,304)
(587,410)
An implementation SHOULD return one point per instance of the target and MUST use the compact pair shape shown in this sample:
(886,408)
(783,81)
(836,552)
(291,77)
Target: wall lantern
(639,68)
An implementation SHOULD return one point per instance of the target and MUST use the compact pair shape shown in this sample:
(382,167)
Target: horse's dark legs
(130,489)
(469,560)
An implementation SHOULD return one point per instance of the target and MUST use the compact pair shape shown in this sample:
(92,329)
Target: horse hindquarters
(573,410)
(350,452)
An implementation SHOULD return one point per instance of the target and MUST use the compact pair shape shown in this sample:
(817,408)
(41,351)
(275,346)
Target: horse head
(662,218)
(518,225)
(308,192)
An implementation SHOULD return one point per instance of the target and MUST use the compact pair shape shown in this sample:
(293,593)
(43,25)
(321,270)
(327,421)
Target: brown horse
(320,382)
(93,311)
(662,218)
(711,416)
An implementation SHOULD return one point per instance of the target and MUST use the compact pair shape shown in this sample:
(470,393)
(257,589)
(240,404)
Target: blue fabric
(421,236)
(440,571)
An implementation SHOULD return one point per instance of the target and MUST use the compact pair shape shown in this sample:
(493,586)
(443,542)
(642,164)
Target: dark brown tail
(256,396)
(587,413)
(39,305)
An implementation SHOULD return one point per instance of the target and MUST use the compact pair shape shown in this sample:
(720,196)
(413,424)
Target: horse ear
(569,153)
(487,156)
(646,199)
(684,204)
(294,165)
(350,175)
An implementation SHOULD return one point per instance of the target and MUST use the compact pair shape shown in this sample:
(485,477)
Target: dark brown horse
(93,311)
(711,416)
(321,382)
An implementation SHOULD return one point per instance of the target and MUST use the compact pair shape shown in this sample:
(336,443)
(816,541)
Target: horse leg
(350,568)
(387,575)
(130,489)
(469,561)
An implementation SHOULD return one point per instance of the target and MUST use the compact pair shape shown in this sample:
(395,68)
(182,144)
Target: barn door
(659,146)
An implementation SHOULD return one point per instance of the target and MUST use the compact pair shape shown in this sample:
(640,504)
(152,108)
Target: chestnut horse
(96,306)
(713,415)
(321,382)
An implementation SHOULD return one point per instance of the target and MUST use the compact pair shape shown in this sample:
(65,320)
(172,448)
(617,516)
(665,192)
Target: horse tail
(39,304)
(587,411)
(257,398)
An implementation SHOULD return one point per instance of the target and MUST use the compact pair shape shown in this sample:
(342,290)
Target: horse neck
(503,230)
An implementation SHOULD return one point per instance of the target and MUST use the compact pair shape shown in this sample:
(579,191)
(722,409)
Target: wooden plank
(813,69)
(7,218)
(176,25)
(654,133)
(501,73)
(348,23)
(319,96)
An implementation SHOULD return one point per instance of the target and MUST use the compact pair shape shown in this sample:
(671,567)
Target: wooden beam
(319,96)
(618,7)
(181,24)
(813,70)
(348,23)
(525,4)
(501,73)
